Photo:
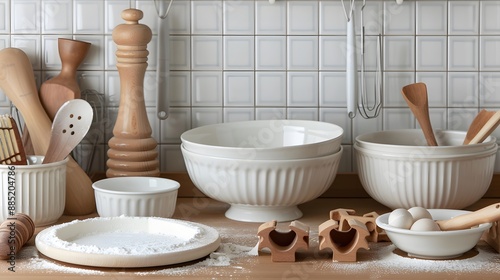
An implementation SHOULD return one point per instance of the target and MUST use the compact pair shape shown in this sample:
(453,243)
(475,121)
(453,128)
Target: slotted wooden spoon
(18,82)
(71,123)
(416,97)
(479,121)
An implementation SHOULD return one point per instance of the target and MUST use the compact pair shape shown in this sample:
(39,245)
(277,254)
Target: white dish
(127,241)
(434,244)
(264,139)
(136,196)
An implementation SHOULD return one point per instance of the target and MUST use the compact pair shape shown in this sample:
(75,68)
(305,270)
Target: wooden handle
(18,83)
(487,214)
(487,129)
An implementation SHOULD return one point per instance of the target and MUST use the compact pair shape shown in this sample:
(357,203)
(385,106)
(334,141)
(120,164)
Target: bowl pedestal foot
(260,214)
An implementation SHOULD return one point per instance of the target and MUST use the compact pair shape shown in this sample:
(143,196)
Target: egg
(425,224)
(418,213)
(400,218)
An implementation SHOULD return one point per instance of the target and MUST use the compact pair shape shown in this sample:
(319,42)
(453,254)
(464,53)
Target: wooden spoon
(479,121)
(487,214)
(71,124)
(487,129)
(18,83)
(416,97)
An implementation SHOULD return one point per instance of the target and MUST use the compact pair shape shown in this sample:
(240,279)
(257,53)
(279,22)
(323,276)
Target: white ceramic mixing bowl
(262,190)
(404,180)
(265,139)
(136,196)
(434,244)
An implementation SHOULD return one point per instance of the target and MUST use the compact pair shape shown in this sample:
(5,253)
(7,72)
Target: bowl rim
(430,156)
(381,222)
(101,186)
(328,156)
(183,136)
(491,139)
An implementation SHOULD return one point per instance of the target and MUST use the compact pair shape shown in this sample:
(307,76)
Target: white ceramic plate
(127,241)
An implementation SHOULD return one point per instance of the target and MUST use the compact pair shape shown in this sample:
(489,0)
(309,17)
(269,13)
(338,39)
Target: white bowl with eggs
(136,197)
(434,244)
(264,139)
(402,176)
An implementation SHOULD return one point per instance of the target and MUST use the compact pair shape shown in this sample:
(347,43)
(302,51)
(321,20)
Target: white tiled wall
(248,59)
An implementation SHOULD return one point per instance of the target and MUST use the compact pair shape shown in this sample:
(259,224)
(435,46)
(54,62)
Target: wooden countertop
(382,261)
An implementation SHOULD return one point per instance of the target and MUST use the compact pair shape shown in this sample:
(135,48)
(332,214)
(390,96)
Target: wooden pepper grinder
(132,150)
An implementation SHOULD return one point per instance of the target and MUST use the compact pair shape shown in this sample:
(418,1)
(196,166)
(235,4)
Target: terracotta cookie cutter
(283,245)
(492,236)
(343,215)
(344,243)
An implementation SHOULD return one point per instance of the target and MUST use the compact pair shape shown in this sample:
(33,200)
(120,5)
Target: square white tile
(269,113)
(4,41)
(393,83)
(91,80)
(463,17)
(463,89)
(302,114)
(58,17)
(332,89)
(302,53)
(50,58)
(205,115)
(270,19)
(4,16)
(432,17)
(238,114)
(270,88)
(26,15)
(339,117)
(398,118)
(438,117)
(239,17)
(206,53)
(270,52)
(460,118)
(489,87)
(109,53)
(399,53)
(112,91)
(149,91)
(332,20)
(94,60)
(179,18)
(206,88)
(180,52)
(431,53)
(171,159)
(179,88)
(31,45)
(206,17)
(436,83)
(89,17)
(490,57)
(238,52)
(332,52)
(302,17)
(239,88)
(463,53)
(302,89)
(490,25)
(362,125)
(178,121)
(399,19)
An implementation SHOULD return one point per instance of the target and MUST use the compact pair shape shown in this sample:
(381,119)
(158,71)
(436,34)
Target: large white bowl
(434,244)
(38,190)
(265,139)
(136,197)
(406,141)
(262,190)
(439,181)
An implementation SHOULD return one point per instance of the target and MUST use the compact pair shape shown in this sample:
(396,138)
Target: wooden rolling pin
(17,81)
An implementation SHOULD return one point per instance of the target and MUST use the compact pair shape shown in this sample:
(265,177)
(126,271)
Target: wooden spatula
(479,121)
(487,128)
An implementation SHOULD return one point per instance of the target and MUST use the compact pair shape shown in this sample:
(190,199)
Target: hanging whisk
(366,110)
